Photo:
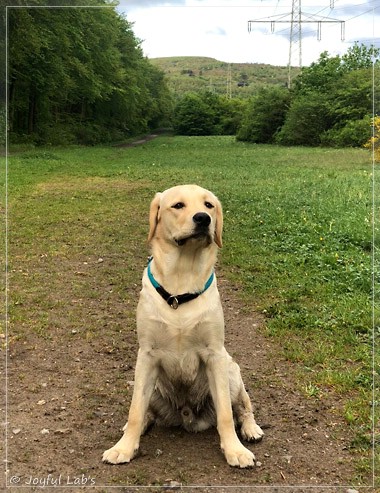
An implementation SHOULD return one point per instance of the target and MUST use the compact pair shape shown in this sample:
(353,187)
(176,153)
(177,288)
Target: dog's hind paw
(251,431)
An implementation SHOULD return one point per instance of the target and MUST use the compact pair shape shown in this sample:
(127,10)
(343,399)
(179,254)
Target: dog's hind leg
(249,429)
(242,407)
(149,421)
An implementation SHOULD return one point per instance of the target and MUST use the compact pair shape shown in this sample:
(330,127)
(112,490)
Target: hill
(202,73)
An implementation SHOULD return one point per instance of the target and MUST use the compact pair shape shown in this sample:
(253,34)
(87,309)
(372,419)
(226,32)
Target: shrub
(374,141)
(308,117)
(354,134)
(265,115)
(207,114)
(192,116)
(230,113)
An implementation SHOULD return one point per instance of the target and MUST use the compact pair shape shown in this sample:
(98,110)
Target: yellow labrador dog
(184,375)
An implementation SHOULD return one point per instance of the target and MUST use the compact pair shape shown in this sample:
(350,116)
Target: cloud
(217,31)
(348,11)
(141,4)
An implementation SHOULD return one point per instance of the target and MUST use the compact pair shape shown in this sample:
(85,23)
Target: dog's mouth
(197,235)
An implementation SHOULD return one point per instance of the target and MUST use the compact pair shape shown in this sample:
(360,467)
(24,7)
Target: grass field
(297,243)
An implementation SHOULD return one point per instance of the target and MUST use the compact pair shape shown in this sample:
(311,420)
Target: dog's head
(186,213)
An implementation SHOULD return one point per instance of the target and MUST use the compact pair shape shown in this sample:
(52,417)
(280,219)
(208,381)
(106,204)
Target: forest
(83,78)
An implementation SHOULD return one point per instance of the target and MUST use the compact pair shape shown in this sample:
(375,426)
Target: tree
(332,100)
(308,117)
(359,57)
(265,115)
(82,75)
(193,116)
(352,98)
(320,76)
(324,74)
(350,108)
(208,114)
(231,111)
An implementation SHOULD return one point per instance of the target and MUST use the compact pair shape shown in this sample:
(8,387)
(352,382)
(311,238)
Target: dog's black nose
(202,219)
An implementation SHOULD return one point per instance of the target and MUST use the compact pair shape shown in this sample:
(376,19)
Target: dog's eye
(209,205)
(178,205)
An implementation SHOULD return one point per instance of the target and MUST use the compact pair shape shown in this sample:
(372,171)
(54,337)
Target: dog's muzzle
(202,222)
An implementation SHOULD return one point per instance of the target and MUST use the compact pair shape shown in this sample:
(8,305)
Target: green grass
(297,243)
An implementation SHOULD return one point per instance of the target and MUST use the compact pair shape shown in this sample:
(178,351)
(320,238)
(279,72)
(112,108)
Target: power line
(363,13)
(296,18)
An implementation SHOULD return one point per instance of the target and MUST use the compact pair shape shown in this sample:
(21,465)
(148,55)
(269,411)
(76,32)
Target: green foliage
(321,75)
(307,118)
(192,116)
(2,55)
(200,74)
(330,104)
(265,115)
(230,115)
(354,133)
(326,73)
(359,56)
(207,114)
(81,73)
(352,98)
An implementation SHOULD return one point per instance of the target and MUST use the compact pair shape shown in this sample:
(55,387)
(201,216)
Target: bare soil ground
(68,399)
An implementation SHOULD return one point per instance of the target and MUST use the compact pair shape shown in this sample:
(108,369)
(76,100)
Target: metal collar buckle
(173,302)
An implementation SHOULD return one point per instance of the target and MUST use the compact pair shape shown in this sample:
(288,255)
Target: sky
(219,28)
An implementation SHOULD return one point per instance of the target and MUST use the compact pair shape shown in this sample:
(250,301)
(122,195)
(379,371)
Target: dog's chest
(182,368)
(181,353)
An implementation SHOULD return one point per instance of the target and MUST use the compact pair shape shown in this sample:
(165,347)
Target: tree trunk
(11,105)
(32,113)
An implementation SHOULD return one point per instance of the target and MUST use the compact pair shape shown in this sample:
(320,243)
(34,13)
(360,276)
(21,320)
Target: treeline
(330,103)
(79,75)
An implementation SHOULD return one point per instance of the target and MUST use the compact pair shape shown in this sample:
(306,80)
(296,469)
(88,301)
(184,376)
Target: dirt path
(69,395)
(141,141)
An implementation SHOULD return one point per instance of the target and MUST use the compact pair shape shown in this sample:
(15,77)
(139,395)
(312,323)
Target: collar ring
(173,302)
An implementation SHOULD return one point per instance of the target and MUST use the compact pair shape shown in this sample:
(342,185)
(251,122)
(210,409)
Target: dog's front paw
(250,430)
(240,457)
(119,454)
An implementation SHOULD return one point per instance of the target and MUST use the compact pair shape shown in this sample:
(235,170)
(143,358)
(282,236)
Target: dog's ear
(219,224)
(153,215)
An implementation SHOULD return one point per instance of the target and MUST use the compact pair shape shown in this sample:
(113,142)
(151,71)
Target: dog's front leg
(217,372)
(145,378)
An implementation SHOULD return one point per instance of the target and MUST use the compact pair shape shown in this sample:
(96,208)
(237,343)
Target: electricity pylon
(295,37)
(296,18)
(229,82)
